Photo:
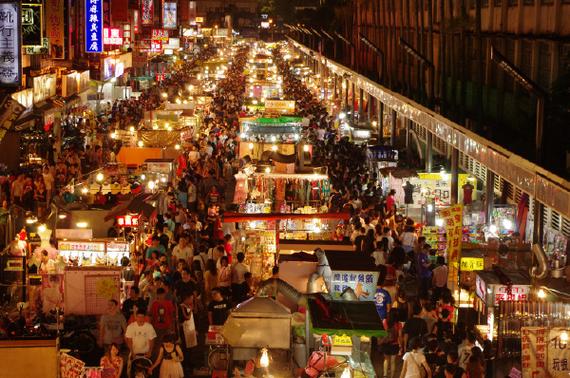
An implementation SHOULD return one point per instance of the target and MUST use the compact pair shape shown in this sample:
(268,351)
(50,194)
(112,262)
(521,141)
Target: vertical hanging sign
(169,15)
(93,26)
(10,44)
(55,28)
(32,23)
(147,12)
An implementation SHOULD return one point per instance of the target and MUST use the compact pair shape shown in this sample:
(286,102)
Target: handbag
(189,329)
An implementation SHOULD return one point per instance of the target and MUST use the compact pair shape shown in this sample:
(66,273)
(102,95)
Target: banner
(32,24)
(453,220)
(93,26)
(147,12)
(169,15)
(55,28)
(10,110)
(10,46)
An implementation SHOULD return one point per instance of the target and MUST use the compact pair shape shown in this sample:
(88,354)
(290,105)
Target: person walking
(415,362)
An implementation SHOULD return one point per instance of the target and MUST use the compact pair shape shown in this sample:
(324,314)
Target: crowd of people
(191,274)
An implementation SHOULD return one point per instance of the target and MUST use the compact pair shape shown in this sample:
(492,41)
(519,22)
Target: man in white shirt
(439,278)
(183,251)
(140,336)
(238,277)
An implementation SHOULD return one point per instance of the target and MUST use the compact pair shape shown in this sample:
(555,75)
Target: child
(169,358)
(111,362)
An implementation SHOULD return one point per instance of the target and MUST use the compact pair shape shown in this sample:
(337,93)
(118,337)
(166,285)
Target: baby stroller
(139,367)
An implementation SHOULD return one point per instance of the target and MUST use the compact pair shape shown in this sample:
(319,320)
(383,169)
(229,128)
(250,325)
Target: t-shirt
(140,335)
(421,260)
(440,276)
(238,272)
(382,299)
(160,249)
(113,325)
(415,327)
(414,364)
(219,311)
(162,312)
(185,253)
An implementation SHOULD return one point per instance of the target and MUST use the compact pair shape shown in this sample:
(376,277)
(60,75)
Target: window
(513,3)
(498,3)
(528,2)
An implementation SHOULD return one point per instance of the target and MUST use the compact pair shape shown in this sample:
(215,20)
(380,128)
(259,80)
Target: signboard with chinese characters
(10,45)
(472,263)
(129,220)
(81,246)
(514,293)
(10,110)
(112,36)
(160,35)
(453,220)
(533,348)
(280,106)
(32,23)
(55,28)
(169,15)
(147,12)
(363,284)
(94,26)
(558,352)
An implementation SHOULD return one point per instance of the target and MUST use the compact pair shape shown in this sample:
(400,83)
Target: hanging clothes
(240,193)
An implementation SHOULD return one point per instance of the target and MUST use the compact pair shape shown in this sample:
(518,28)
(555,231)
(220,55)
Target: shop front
(491,289)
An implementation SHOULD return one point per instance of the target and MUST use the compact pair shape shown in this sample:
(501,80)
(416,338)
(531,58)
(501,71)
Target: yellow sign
(280,106)
(453,220)
(472,263)
(342,340)
(199,19)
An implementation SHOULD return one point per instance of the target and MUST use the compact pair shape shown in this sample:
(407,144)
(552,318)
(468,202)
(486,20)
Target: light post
(534,89)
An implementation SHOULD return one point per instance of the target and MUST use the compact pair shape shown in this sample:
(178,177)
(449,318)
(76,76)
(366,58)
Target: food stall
(491,288)
(258,135)
(259,322)
(259,239)
(282,193)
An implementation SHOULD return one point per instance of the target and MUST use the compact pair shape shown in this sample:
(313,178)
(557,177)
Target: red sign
(155,46)
(128,220)
(112,36)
